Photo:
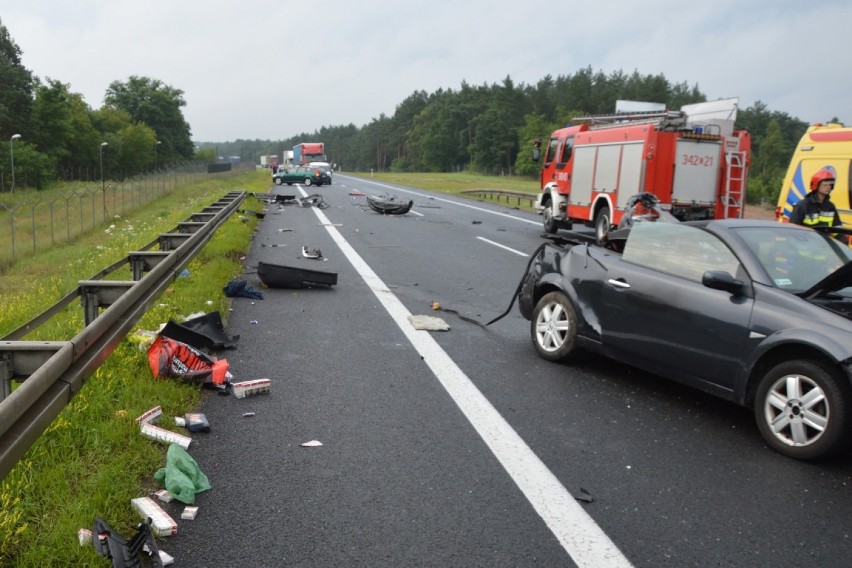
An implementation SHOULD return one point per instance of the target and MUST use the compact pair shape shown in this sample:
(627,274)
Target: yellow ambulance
(823,145)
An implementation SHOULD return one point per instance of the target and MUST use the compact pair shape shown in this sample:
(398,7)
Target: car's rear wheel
(308,181)
(277,181)
(554,327)
(603,222)
(803,409)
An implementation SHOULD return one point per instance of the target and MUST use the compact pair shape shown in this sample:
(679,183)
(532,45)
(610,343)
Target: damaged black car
(755,312)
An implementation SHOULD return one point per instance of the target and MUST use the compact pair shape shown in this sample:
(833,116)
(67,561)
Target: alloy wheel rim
(796,410)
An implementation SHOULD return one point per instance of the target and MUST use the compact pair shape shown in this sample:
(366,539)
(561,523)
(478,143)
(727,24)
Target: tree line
(491,128)
(54,134)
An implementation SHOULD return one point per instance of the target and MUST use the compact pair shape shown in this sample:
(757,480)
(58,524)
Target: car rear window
(679,250)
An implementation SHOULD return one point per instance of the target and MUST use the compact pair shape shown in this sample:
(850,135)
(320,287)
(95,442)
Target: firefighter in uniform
(816,209)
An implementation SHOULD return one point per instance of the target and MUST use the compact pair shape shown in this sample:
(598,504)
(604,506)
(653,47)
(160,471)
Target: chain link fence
(37,222)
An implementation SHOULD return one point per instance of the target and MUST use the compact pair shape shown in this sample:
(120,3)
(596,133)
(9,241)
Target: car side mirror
(721,280)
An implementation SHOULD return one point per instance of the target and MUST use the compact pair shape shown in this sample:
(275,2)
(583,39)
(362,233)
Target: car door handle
(618,283)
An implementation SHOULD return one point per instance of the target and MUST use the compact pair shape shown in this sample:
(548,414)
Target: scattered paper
(311,444)
(429,323)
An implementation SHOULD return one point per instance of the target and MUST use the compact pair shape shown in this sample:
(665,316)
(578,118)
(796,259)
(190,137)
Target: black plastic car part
(140,551)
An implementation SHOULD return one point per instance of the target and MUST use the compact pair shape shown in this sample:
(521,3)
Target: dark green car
(298,174)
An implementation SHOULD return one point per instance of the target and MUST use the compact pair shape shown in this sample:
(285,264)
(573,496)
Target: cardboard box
(150,416)
(163,435)
(164,496)
(189,513)
(161,523)
(250,388)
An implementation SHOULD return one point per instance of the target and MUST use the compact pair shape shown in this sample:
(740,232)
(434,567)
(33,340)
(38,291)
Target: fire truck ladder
(663,119)
(735,182)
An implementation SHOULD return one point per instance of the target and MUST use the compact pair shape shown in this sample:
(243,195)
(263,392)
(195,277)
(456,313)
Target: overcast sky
(272,69)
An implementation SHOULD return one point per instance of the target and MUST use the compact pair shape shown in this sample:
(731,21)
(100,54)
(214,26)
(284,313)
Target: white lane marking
(474,207)
(577,532)
(502,246)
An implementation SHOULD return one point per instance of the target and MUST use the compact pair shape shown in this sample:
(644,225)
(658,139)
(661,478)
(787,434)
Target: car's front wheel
(803,409)
(554,327)
(308,181)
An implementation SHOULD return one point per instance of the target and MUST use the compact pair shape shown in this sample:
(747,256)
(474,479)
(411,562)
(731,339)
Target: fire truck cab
(691,159)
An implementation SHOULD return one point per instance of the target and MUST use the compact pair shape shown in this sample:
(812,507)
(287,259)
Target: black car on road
(755,312)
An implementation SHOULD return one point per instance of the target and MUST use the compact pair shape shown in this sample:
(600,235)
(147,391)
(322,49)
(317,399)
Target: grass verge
(91,461)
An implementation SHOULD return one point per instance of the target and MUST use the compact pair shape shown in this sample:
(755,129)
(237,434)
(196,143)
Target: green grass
(92,460)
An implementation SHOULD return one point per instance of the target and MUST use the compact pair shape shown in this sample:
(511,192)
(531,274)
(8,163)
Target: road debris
(251,388)
(165,436)
(181,476)
(126,553)
(584,496)
(240,288)
(428,323)
(161,523)
(151,416)
(311,444)
(282,276)
(311,252)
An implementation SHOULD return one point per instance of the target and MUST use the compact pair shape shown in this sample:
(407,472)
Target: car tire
(278,181)
(803,409)
(550,224)
(603,223)
(554,327)
(308,181)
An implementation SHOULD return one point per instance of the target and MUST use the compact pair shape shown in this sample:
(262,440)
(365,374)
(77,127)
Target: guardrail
(52,372)
(498,194)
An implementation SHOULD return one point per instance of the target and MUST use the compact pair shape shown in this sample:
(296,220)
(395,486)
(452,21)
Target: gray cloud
(264,69)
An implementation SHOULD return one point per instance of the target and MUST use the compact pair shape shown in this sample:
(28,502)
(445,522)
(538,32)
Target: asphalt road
(462,447)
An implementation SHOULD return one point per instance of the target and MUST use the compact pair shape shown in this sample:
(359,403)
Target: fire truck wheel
(603,222)
(550,225)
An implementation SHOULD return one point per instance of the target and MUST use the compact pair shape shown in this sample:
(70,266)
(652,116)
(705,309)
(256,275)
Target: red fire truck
(692,160)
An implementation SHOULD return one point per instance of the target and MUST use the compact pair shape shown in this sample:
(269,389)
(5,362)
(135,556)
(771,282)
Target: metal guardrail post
(51,373)
(97,294)
(144,261)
